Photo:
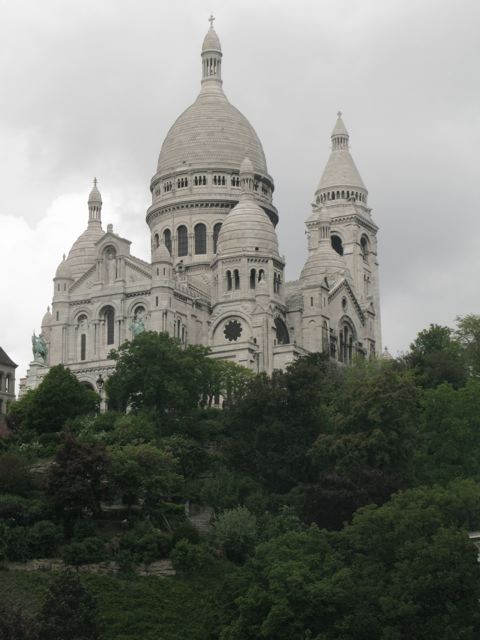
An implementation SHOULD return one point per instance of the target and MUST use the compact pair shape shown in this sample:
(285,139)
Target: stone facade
(216,276)
(7,386)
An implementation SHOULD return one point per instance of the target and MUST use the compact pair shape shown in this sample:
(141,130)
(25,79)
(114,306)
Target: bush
(90,551)
(14,543)
(43,539)
(235,532)
(14,475)
(189,558)
(186,531)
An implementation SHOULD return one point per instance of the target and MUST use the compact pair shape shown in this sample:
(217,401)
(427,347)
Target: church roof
(5,359)
(211,41)
(95,196)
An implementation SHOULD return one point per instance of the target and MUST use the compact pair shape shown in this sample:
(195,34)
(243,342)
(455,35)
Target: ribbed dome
(247,229)
(324,261)
(211,41)
(211,133)
(47,318)
(83,253)
(63,269)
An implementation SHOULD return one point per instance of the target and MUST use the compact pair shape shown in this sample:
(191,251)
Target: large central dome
(211,133)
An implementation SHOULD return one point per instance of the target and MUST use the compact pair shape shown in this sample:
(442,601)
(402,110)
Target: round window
(232,330)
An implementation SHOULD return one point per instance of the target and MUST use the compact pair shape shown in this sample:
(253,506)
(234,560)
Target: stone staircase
(200,517)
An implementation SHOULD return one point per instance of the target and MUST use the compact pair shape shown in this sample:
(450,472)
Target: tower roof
(340,170)
(211,42)
(95,196)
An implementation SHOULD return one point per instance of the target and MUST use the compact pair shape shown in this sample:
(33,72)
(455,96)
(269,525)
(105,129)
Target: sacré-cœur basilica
(216,274)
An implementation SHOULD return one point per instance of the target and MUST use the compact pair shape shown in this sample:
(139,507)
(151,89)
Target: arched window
(83,347)
(236,278)
(109,319)
(229,280)
(156,240)
(337,244)
(216,231)
(167,239)
(200,238)
(281,331)
(346,343)
(182,240)
(253,278)
(325,345)
(261,275)
(364,247)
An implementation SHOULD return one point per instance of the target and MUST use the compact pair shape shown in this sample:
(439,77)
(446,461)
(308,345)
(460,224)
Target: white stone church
(216,275)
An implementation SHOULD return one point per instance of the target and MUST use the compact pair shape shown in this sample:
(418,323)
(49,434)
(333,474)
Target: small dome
(161,253)
(63,270)
(386,355)
(95,196)
(211,41)
(83,253)
(47,318)
(322,262)
(247,228)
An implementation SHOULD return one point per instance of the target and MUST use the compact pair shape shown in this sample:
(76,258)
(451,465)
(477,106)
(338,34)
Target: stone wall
(158,568)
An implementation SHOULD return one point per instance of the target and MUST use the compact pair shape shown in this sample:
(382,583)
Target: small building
(7,386)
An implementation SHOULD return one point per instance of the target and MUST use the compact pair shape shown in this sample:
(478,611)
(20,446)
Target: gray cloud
(91,88)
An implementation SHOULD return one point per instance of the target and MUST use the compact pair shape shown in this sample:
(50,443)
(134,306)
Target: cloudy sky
(91,87)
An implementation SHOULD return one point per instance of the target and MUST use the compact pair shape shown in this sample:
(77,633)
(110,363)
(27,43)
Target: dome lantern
(95,205)
(211,61)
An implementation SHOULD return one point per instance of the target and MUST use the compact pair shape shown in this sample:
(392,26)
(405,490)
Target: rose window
(232,330)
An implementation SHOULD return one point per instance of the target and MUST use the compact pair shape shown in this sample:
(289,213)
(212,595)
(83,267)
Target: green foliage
(77,480)
(436,356)
(59,397)
(156,371)
(18,543)
(14,474)
(186,531)
(146,475)
(16,624)
(70,611)
(450,434)
(235,532)
(404,570)
(188,558)
(468,335)
(89,551)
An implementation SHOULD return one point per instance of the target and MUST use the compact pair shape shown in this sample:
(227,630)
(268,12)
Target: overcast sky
(91,87)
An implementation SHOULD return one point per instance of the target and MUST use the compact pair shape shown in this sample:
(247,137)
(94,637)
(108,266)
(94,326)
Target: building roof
(6,360)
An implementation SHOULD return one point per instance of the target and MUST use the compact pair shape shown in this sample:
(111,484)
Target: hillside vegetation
(342,497)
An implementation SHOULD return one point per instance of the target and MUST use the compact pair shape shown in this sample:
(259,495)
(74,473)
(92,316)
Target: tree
(156,371)
(70,611)
(146,475)
(449,443)
(468,335)
(77,480)
(437,357)
(366,450)
(14,474)
(403,570)
(59,397)
(235,532)
(16,624)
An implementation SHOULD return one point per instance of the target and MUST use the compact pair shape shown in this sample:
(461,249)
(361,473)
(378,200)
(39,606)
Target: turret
(95,205)
(211,61)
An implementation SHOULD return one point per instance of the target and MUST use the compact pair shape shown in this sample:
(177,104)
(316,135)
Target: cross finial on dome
(95,182)
(211,20)
(339,114)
